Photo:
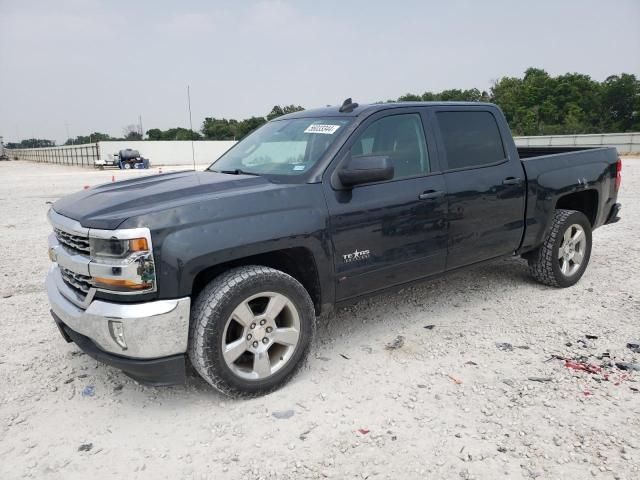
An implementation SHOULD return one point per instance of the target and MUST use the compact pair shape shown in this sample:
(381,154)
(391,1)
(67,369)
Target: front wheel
(563,257)
(251,329)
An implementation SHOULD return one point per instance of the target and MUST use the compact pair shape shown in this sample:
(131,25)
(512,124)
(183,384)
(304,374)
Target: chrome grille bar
(76,281)
(75,242)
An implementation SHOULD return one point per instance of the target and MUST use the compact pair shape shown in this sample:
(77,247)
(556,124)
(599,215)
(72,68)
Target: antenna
(348,106)
(193,153)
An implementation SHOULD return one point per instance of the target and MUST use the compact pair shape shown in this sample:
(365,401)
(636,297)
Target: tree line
(536,104)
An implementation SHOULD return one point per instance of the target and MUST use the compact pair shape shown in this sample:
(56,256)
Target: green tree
(133,136)
(409,97)
(177,133)
(155,134)
(91,138)
(249,125)
(219,129)
(32,143)
(278,111)
(186,134)
(621,102)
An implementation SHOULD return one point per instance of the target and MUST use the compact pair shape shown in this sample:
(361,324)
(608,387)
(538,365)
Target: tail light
(618,174)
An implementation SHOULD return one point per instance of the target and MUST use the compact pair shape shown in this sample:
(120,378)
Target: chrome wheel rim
(572,249)
(261,335)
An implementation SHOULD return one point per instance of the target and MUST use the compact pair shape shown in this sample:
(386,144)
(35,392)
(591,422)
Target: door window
(399,137)
(471,139)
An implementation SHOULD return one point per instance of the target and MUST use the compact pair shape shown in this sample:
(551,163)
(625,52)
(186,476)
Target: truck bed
(553,172)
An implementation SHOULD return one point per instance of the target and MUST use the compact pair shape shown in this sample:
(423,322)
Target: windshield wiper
(237,171)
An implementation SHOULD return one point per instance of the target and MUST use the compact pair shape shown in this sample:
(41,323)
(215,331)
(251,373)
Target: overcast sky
(98,64)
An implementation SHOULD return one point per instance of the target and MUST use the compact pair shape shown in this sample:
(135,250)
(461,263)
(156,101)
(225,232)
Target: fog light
(116,329)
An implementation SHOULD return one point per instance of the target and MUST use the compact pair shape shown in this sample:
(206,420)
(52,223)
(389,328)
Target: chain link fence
(82,155)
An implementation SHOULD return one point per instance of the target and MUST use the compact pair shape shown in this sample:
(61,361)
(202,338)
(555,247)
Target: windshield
(282,147)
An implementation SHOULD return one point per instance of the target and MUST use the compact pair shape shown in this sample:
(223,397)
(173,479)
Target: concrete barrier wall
(624,142)
(170,152)
(176,152)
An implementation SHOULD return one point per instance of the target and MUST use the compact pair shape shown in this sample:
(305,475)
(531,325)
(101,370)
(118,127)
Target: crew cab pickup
(229,268)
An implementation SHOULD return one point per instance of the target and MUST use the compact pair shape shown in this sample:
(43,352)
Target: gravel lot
(447,404)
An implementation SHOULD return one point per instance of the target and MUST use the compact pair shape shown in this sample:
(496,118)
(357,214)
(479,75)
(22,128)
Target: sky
(96,65)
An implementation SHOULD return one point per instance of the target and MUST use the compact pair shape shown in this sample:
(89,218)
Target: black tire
(544,263)
(213,307)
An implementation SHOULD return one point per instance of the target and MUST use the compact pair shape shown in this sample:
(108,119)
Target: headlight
(122,260)
(115,248)
(138,276)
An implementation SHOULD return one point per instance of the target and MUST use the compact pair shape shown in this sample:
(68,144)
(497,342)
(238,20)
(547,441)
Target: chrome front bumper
(151,330)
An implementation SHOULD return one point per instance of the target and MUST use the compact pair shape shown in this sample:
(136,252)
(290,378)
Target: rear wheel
(564,255)
(251,329)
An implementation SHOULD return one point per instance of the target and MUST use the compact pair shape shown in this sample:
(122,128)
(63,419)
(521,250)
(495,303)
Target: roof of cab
(334,111)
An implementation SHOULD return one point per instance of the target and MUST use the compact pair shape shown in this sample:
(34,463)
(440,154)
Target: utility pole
(193,153)
(140,124)
(66,124)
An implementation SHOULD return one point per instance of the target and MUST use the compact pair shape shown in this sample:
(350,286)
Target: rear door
(391,232)
(486,188)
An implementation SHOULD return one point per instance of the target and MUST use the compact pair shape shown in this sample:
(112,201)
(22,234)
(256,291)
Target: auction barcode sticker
(326,129)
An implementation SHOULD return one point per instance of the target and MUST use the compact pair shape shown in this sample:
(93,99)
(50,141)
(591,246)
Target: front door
(389,232)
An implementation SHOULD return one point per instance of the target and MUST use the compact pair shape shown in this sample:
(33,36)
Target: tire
(556,262)
(126,165)
(219,322)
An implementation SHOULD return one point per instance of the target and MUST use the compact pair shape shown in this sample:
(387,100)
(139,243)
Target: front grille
(77,243)
(80,283)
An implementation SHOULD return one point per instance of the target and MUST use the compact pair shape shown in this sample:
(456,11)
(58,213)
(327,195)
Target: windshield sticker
(326,129)
(298,167)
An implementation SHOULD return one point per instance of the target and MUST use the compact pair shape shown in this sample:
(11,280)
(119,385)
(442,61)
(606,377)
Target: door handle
(431,194)
(512,181)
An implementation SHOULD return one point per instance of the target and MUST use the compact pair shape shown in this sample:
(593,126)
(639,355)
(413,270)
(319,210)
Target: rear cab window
(470,138)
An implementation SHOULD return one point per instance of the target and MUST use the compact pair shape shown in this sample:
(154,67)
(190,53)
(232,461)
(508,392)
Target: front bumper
(156,372)
(152,330)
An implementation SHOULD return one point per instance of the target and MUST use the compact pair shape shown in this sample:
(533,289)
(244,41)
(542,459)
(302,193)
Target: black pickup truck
(230,267)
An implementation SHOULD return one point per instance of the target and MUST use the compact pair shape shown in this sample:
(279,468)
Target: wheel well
(585,202)
(297,262)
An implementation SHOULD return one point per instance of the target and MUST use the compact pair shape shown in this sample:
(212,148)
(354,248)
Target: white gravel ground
(360,410)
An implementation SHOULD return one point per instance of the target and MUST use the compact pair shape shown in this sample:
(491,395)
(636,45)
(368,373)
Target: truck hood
(107,206)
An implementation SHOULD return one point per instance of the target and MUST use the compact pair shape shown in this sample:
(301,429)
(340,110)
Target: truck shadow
(469,288)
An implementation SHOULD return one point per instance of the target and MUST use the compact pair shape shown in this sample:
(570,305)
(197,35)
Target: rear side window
(471,139)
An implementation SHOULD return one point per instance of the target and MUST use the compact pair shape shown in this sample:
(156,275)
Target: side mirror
(366,169)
